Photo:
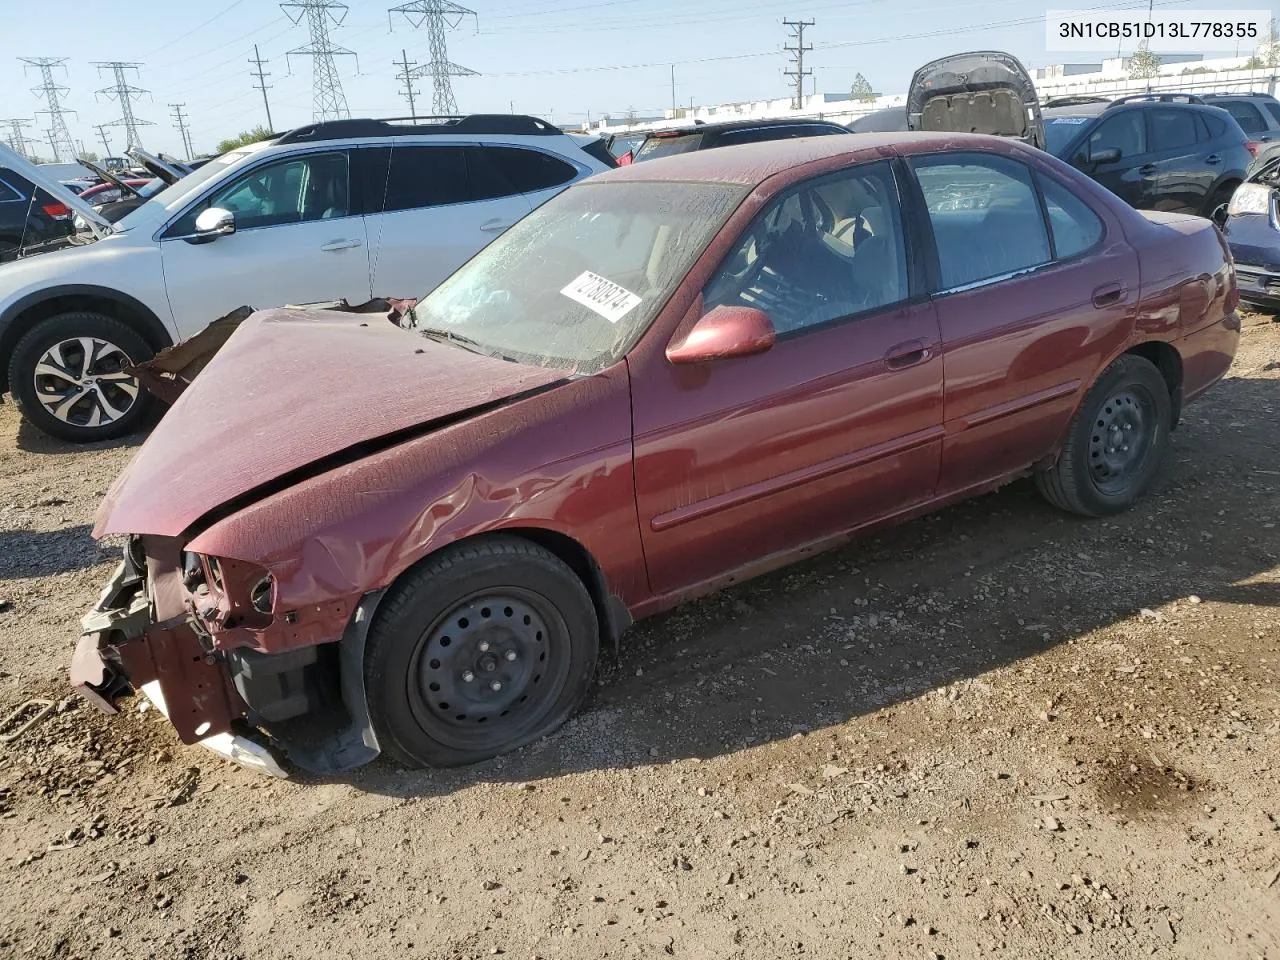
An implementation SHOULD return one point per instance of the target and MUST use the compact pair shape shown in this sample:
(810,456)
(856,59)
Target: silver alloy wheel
(80,381)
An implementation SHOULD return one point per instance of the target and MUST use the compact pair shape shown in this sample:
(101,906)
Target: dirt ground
(999,731)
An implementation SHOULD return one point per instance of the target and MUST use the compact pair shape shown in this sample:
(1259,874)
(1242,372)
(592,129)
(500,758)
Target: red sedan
(361,536)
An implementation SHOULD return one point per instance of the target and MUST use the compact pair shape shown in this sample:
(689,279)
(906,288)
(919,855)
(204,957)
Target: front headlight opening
(1250,198)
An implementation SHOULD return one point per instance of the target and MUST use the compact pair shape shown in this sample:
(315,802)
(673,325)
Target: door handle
(494,226)
(333,245)
(907,354)
(1109,294)
(1213,158)
(1148,169)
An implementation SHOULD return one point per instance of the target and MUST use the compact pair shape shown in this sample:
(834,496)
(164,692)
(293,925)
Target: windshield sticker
(611,301)
(1070,119)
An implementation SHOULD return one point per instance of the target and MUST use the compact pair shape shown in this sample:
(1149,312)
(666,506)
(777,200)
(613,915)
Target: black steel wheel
(1116,443)
(483,648)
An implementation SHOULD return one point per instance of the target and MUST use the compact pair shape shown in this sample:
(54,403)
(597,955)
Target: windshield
(574,284)
(1060,131)
(162,195)
(659,146)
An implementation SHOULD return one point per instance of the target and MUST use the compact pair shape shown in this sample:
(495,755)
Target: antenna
(124,94)
(59,135)
(328,100)
(439,16)
(797,30)
(262,83)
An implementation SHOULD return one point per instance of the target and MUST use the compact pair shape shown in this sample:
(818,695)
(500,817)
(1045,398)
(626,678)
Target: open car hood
(293,393)
(165,170)
(986,91)
(21,165)
(108,177)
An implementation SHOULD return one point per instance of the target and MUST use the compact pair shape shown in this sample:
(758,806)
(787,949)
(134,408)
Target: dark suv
(29,224)
(705,136)
(1257,113)
(1155,151)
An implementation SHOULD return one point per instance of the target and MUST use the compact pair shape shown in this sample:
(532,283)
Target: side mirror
(212,224)
(722,333)
(1109,155)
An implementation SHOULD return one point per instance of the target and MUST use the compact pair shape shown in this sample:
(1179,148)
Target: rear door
(1186,164)
(1132,177)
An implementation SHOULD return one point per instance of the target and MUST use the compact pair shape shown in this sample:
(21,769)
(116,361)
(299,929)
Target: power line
(328,100)
(799,50)
(53,92)
(261,77)
(123,93)
(405,76)
(17,139)
(439,16)
(180,122)
(102,135)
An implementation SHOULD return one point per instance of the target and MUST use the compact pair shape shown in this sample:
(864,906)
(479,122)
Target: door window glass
(1123,132)
(425,177)
(1216,126)
(827,249)
(1075,227)
(1172,129)
(301,189)
(985,216)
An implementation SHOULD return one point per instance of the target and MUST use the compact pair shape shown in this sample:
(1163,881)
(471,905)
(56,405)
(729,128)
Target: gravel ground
(999,731)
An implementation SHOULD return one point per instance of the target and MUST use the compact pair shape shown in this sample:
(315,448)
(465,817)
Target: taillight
(59,211)
(1251,146)
(626,159)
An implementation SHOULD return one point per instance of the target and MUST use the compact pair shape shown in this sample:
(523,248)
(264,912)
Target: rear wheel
(67,376)
(484,648)
(1216,208)
(1116,443)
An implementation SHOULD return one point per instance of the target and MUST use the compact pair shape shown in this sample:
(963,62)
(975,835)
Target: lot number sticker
(611,301)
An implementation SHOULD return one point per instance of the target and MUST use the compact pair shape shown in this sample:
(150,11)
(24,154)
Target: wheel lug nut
(495,686)
(511,654)
(484,646)
(468,676)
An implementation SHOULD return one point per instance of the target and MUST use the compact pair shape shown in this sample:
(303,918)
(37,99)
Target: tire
(112,405)
(492,611)
(1095,475)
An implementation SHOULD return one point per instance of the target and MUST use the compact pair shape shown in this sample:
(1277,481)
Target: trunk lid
(19,164)
(293,393)
(985,91)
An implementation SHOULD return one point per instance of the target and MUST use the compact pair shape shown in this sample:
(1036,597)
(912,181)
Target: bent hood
(986,91)
(292,394)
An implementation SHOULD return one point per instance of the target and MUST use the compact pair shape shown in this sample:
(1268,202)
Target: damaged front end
(188,630)
(1252,230)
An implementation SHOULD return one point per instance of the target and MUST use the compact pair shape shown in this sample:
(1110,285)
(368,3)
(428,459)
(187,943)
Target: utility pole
(405,76)
(262,83)
(799,50)
(123,93)
(53,93)
(102,135)
(439,16)
(53,143)
(17,139)
(328,102)
(673,89)
(180,122)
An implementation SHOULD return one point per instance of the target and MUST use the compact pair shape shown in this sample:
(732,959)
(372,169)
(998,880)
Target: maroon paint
(732,466)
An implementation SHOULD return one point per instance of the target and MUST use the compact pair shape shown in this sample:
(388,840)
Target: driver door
(838,424)
(299,238)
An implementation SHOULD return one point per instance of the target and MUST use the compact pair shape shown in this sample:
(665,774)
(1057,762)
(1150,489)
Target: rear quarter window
(8,193)
(656,147)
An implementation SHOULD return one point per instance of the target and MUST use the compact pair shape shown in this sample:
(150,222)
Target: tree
(1268,53)
(89,155)
(1144,64)
(249,136)
(861,90)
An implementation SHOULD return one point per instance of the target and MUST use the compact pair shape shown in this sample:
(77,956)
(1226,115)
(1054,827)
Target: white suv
(346,209)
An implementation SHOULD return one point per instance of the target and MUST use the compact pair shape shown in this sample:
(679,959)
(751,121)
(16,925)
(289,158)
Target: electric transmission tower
(328,100)
(180,122)
(406,77)
(17,139)
(59,135)
(261,77)
(799,50)
(124,94)
(439,16)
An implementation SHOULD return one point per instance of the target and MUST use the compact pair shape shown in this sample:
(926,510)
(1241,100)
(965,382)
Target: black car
(1155,151)
(706,136)
(30,219)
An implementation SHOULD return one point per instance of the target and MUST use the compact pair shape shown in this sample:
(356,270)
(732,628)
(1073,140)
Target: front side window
(825,250)
(985,216)
(575,283)
(1172,129)
(299,189)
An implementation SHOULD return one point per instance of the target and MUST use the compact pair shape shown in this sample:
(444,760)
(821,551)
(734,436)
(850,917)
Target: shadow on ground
(41,553)
(33,440)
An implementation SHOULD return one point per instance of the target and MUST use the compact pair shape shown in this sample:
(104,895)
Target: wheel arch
(1165,358)
(22,315)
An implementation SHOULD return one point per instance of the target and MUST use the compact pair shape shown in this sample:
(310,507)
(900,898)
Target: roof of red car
(753,163)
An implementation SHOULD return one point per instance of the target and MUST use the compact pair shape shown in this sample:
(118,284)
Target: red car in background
(673,376)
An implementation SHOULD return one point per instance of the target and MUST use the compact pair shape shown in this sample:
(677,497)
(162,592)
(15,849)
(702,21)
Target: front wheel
(483,648)
(67,375)
(1116,443)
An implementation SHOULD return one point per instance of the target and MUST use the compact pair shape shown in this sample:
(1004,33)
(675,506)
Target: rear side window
(1172,129)
(1074,226)
(425,177)
(528,170)
(655,147)
(1246,114)
(1274,110)
(985,215)
(1124,132)
(8,193)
